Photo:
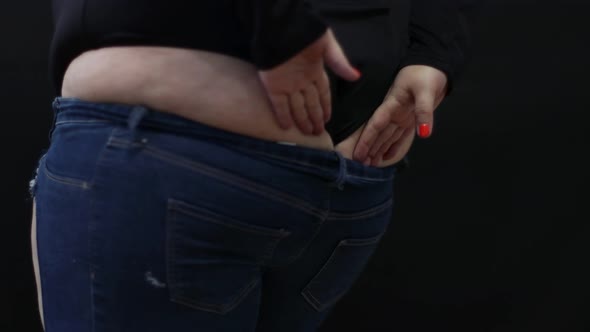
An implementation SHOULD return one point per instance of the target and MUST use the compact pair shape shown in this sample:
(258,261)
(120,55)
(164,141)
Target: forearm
(439,36)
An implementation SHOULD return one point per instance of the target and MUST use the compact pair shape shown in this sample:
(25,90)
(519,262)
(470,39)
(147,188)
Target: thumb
(424,109)
(336,60)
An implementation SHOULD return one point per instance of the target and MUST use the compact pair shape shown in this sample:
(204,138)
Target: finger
(299,113)
(375,161)
(387,145)
(401,147)
(383,137)
(314,108)
(323,87)
(424,109)
(280,104)
(336,60)
(377,123)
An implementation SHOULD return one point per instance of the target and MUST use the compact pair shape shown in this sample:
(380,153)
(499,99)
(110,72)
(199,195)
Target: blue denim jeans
(150,222)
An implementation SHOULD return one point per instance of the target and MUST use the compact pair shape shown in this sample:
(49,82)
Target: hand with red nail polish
(407,110)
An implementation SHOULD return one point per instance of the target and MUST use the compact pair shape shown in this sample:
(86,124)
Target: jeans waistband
(137,116)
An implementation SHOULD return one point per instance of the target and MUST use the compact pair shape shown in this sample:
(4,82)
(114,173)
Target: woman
(197,177)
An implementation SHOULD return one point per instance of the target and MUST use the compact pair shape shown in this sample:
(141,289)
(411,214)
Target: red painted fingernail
(424,130)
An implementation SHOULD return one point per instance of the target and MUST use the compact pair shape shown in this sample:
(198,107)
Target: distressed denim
(150,222)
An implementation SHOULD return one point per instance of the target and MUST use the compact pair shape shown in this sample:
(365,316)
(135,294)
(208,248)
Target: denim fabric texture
(150,222)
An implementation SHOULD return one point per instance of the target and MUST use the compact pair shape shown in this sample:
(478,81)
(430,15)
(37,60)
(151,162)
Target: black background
(490,230)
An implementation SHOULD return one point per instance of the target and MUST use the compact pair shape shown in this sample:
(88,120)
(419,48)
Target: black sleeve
(439,36)
(279,29)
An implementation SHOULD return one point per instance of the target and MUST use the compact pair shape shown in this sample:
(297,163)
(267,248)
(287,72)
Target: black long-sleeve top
(379,37)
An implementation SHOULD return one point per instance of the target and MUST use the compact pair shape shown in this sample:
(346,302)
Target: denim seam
(215,308)
(361,242)
(360,215)
(66,180)
(86,185)
(281,158)
(64,122)
(91,242)
(174,296)
(190,210)
(308,295)
(289,260)
(370,179)
(305,164)
(227,178)
(317,305)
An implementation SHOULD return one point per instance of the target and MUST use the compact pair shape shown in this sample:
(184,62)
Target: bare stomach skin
(209,88)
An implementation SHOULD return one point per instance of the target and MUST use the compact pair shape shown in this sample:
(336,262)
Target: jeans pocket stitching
(176,294)
(65,180)
(218,309)
(307,292)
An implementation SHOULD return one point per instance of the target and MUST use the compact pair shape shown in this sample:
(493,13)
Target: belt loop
(339,182)
(137,114)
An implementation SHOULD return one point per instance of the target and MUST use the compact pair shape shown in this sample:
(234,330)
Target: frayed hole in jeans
(152,281)
(33,181)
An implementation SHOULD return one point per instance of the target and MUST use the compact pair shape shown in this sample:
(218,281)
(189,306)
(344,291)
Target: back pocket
(213,261)
(340,272)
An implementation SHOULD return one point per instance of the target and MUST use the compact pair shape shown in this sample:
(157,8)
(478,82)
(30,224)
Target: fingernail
(358,73)
(424,130)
